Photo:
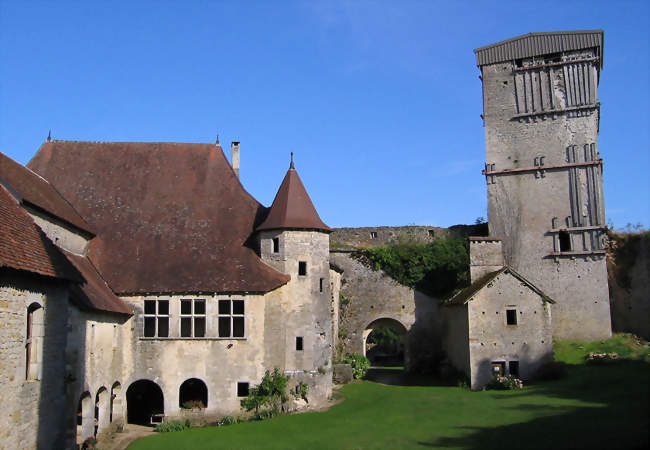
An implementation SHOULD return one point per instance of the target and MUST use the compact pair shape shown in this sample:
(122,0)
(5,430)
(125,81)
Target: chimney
(485,256)
(234,146)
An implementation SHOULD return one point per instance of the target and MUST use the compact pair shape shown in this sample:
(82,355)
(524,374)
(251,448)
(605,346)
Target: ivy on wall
(437,268)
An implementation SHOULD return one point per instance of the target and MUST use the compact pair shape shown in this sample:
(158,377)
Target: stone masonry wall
(30,410)
(369,295)
(381,236)
(527,209)
(492,339)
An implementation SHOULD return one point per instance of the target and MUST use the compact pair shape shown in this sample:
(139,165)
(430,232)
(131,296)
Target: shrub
(302,389)
(508,383)
(266,414)
(227,420)
(89,443)
(193,404)
(360,364)
(172,425)
(272,391)
(552,370)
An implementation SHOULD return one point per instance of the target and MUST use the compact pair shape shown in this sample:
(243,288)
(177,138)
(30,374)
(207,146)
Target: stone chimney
(485,256)
(234,146)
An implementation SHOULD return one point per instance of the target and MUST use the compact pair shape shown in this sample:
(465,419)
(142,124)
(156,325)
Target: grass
(594,407)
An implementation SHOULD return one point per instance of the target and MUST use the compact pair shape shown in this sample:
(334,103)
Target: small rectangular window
(276,245)
(302,268)
(373,235)
(513,366)
(511,316)
(299,343)
(498,368)
(231,319)
(565,241)
(156,318)
(320,285)
(242,389)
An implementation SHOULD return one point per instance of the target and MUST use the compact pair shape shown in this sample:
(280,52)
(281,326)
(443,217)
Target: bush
(227,420)
(173,425)
(508,383)
(272,391)
(302,389)
(89,443)
(359,363)
(266,414)
(193,404)
(552,371)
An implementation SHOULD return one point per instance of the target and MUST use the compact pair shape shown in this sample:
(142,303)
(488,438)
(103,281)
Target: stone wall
(628,263)
(534,196)
(30,409)
(382,236)
(62,234)
(490,337)
(369,296)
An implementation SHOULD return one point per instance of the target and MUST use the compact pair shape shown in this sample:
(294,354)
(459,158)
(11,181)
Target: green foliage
(227,420)
(266,414)
(384,336)
(438,267)
(508,383)
(627,346)
(172,425)
(272,392)
(302,389)
(359,363)
(193,404)
(343,300)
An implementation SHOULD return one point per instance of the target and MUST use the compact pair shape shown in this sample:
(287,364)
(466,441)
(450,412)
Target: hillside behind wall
(628,268)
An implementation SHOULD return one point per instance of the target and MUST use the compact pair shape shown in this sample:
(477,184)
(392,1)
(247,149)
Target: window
(498,368)
(513,366)
(231,318)
(299,345)
(276,245)
(373,235)
(156,318)
(192,317)
(33,342)
(302,268)
(320,285)
(431,233)
(242,389)
(511,316)
(565,241)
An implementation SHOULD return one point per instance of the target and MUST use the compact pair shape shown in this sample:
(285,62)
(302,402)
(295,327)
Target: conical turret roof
(292,208)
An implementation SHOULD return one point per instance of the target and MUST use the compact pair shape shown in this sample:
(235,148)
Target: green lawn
(594,407)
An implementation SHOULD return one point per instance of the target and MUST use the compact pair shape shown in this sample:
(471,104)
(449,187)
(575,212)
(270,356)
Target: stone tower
(544,172)
(295,241)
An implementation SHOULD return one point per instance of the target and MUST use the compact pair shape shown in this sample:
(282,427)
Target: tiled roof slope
(38,192)
(169,217)
(292,208)
(93,293)
(24,247)
(470,291)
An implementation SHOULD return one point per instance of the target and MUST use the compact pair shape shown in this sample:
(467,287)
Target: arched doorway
(193,393)
(144,402)
(384,343)
(117,410)
(102,415)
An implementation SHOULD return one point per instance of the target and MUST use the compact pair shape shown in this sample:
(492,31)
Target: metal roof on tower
(537,44)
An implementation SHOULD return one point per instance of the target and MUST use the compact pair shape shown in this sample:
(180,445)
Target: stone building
(500,324)
(160,281)
(544,171)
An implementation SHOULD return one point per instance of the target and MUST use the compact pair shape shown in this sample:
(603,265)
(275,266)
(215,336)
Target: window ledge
(176,338)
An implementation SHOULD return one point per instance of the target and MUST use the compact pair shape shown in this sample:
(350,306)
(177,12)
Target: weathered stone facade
(368,237)
(373,298)
(544,178)
(31,399)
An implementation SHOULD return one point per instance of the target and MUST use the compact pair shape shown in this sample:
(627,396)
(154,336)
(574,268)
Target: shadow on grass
(396,376)
(615,414)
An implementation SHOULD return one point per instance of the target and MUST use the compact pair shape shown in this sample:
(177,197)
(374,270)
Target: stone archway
(399,350)
(102,410)
(144,402)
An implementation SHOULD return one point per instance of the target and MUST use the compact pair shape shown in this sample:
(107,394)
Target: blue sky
(380,101)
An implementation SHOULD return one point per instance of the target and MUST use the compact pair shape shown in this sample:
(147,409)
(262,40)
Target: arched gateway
(385,342)
(144,402)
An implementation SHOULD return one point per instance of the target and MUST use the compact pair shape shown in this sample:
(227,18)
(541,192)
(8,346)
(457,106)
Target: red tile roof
(36,191)
(24,247)
(93,293)
(292,208)
(168,217)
